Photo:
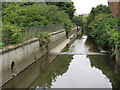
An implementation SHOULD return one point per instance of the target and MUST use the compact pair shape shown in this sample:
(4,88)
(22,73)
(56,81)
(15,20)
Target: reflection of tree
(117,70)
(107,66)
(48,74)
(91,44)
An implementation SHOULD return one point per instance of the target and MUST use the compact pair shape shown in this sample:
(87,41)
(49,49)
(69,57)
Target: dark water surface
(71,71)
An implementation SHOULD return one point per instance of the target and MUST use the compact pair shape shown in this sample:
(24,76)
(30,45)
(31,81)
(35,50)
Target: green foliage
(104,31)
(43,38)
(58,67)
(94,12)
(11,34)
(78,20)
(38,14)
(68,7)
(107,66)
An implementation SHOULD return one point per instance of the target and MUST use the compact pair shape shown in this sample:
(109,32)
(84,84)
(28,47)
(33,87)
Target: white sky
(84,6)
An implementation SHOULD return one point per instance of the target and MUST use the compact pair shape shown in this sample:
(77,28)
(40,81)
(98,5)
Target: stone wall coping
(9,48)
(53,33)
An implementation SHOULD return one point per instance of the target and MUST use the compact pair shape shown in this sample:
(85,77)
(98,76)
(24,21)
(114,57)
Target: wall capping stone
(9,48)
(53,33)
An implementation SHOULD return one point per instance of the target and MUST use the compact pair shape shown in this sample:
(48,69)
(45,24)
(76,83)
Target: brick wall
(115,8)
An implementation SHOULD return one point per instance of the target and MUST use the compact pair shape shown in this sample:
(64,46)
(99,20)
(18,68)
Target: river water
(71,71)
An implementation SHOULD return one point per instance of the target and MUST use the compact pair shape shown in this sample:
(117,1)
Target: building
(114,6)
(84,14)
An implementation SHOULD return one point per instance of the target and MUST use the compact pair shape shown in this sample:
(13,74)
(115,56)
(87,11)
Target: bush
(37,14)
(104,31)
(78,20)
(94,12)
(43,38)
(11,34)
(102,27)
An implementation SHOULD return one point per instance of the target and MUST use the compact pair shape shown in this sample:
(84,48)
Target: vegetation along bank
(101,25)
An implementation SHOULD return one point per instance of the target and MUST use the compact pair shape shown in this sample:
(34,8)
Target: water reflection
(42,73)
(117,71)
(92,47)
(105,64)
(49,74)
(24,79)
(80,73)
(79,46)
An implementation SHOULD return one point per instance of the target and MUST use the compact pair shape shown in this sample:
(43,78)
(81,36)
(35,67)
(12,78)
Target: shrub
(43,38)
(102,27)
(11,34)
(94,12)
(37,14)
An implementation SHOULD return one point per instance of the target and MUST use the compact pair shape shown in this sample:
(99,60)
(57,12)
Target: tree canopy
(68,7)
(78,20)
(94,12)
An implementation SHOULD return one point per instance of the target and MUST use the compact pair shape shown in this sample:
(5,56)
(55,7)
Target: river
(71,71)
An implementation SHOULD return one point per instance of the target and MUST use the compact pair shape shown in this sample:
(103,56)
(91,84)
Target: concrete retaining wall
(16,58)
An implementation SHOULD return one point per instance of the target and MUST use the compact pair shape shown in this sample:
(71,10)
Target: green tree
(22,15)
(101,26)
(78,20)
(68,7)
(94,12)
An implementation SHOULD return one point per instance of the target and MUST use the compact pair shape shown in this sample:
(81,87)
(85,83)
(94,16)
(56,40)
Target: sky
(85,6)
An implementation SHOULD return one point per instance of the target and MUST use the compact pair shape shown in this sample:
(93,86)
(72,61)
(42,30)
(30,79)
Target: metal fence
(34,31)
(29,33)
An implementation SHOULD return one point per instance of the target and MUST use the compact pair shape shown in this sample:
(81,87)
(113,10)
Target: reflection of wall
(117,71)
(118,56)
(42,72)
(49,73)
(24,79)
